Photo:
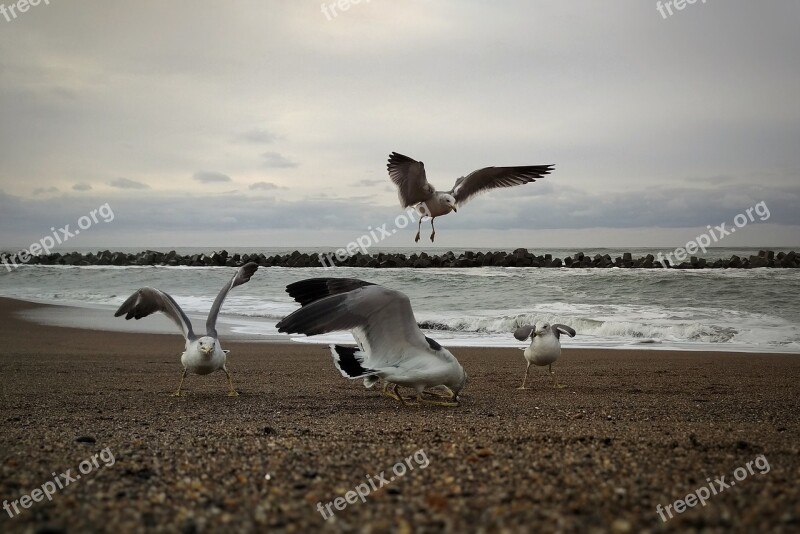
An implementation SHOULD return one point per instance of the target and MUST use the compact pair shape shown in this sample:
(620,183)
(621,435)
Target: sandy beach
(631,430)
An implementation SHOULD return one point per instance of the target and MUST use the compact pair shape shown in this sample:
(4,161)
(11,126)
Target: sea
(715,309)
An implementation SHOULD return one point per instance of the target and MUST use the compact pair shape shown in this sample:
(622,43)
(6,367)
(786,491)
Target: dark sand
(633,429)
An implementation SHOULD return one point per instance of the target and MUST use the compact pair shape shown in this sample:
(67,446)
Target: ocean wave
(620,330)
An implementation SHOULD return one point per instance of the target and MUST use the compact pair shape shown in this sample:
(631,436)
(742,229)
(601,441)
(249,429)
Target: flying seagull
(390,344)
(203,354)
(545,347)
(414,189)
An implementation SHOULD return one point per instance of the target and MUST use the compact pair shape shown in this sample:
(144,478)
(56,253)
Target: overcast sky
(268,123)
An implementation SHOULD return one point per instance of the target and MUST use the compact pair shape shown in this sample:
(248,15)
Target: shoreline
(631,430)
(241,329)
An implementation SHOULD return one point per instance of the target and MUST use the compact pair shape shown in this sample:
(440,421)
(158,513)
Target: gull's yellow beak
(455,209)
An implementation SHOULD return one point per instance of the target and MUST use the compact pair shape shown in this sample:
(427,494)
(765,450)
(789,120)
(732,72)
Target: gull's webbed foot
(423,400)
(448,394)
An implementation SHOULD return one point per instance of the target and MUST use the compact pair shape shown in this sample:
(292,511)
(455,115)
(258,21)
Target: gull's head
(450,200)
(206,345)
(542,329)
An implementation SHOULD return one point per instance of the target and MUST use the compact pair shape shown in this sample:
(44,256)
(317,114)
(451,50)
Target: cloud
(210,177)
(46,191)
(275,160)
(368,183)
(719,179)
(126,183)
(259,136)
(330,102)
(264,186)
(82,187)
(162,217)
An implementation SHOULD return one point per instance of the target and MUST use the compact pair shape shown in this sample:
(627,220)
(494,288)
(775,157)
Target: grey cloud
(127,183)
(273,159)
(663,208)
(263,186)
(368,183)
(259,136)
(45,191)
(619,99)
(82,187)
(210,177)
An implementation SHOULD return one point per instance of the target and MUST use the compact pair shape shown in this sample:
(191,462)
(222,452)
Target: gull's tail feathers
(349,361)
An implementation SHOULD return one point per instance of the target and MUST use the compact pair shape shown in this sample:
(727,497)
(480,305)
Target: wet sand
(632,430)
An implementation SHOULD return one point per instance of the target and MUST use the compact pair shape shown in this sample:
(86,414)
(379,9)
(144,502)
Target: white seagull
(391,345)
(545,347)
(414,189)
(203,354)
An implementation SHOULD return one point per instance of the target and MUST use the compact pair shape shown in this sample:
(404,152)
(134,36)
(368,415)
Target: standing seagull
(414,189)
(545,347)
(391,345)
(203,354)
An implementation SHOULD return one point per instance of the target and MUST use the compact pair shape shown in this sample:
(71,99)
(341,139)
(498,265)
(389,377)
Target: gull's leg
(390,390)
(231,391)
(419,229)
(178,393)
(400,395)
(388,393)
(433,230)
(553,377)
(423,400)
(406,401)
(395,394)
(528,368)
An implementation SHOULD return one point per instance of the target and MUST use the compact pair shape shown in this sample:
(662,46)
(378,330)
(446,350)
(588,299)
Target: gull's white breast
(196,362)
(543,350)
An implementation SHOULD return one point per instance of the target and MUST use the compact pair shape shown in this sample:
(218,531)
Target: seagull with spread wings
(545,347)
(390,344)
(414,189)
(202,354)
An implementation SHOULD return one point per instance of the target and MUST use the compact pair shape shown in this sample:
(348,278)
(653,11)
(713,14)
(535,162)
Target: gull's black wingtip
(312,289)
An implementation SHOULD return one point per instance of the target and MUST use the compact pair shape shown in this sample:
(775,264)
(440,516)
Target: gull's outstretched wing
(488,178)
(312,289)
(382,320)
(409,177)
(524,332)
(563,329)
(149,300)
(242,276)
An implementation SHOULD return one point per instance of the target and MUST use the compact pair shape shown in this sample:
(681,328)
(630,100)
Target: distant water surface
(755,309)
